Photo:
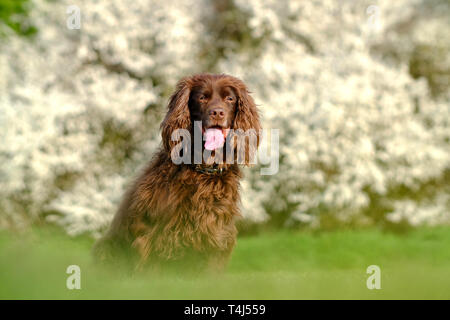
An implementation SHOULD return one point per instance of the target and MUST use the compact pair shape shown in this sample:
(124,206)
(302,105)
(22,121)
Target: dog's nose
(217,113)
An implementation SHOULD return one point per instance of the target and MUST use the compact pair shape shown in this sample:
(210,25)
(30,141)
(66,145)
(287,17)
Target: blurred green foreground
(283,265)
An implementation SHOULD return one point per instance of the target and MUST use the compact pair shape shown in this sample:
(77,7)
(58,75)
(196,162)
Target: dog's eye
(202,98)
(229,98)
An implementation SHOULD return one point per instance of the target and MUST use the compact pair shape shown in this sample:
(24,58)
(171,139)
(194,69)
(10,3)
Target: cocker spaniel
(184,205)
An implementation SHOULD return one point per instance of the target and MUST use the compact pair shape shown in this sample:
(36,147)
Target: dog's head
(222,104)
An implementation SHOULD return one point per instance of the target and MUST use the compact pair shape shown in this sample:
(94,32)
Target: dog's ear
(246,123)
(178,116)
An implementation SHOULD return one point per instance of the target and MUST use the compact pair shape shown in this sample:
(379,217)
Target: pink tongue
(214,139)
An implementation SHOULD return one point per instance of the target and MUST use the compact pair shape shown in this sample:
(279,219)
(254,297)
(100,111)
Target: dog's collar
(210,170)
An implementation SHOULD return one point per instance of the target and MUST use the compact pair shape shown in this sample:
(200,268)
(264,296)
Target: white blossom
(353,124)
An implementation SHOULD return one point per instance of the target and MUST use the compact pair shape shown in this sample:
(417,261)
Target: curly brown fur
(172,212)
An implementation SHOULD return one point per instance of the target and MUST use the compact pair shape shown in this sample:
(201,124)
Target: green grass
(282,265)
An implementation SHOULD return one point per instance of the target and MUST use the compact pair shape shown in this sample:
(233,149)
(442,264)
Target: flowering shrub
(354,128)
(361,139)
(77,104)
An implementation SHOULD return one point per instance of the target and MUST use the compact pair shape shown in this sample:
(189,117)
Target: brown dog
(186,212)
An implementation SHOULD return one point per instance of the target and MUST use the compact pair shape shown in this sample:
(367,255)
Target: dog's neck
(211,169)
